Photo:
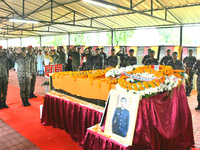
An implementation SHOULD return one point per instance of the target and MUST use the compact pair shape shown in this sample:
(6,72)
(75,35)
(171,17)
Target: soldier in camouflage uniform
(122,56)
(112,60)
(196,70)
(165,59)
(88,53)
(4,68)
(151,60)
(174,63)
(33,70)
(98,61)
(130,60)
(146,56)
(62,57)
(104,56)
(189,62)
(23,73)
(76,58)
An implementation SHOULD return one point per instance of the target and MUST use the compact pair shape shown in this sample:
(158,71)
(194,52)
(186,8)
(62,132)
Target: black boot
(33,95)
(23,102)
(27,102)
(30,95)
(1,104)
(4,104)
(198,106)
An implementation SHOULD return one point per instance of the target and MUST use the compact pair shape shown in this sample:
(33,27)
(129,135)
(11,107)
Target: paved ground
(12,140)
(191,100)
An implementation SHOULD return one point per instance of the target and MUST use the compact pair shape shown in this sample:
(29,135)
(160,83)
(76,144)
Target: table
(163,123)
(73,117)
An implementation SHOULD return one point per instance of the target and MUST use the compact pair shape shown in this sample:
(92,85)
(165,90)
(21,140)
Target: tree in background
(120,37)
(53,40)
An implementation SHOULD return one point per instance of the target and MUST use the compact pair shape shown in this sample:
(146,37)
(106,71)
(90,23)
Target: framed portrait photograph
(121,116)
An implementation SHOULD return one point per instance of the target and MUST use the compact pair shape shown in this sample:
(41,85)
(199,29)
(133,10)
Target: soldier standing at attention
(76,58)
(189,62)
(122,56)
(23,73)
(98,60)
(55,57)
(165,59)
(130,60)
(33,70)
(112,60)
(4,68)
(146,56)
(88,54)
(104,56)
(175,63)
(62,57)
(151,60)
(196,70)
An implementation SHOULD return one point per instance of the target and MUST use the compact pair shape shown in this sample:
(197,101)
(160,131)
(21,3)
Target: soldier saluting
(3,78)
(189,61)
(123,55)
(23,73)
(165,59)
(98,60)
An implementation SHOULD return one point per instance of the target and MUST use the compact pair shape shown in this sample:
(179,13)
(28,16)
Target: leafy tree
(120,37)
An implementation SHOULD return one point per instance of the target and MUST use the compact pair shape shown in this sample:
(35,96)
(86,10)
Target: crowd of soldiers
(74,60)
(26,73)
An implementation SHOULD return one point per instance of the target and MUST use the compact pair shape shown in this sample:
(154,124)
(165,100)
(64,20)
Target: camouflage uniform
(190,61)
(3,79)
(76,59)
(55,58)
(112,61)
(33,71)
(89,60)
(104,57)
(196,70)
(24,74)
(165,59)
(149,61)
(98,62)
(130,61)
(62,59)
(177,65)
(145,58)
(122,57)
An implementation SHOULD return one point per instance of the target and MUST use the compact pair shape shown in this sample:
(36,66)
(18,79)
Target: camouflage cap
(131,50)
(175,53)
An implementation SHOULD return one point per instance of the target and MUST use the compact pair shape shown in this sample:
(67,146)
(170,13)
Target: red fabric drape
(163,123)
(72,117)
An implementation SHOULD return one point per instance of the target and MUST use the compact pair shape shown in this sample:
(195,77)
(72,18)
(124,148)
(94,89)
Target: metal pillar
(112,38)
(69,40)
(40,41)
(181,35)
(7,42)
(20,41)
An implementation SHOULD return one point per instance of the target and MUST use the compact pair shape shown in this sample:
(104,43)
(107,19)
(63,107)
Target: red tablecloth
(163,123)
(72,117)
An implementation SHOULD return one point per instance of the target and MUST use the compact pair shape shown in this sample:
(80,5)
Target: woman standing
(40,59)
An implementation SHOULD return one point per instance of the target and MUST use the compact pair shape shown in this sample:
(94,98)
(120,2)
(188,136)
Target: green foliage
(120,37)
(52,40)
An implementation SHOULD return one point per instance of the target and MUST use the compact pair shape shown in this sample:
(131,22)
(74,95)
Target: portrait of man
(120,120)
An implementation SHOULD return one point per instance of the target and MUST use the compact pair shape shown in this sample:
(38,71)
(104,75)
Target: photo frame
(121,116)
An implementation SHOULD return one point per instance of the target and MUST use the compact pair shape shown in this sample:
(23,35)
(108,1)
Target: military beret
(1,46)
(97,49)
(61,46)
(175,53)
(40,50)
(131,50)
(75,46)
(30,46)
(23,48)
(149,49)
(89,47)
(53,50)
(112,49)
(102,48)
(190,50)
(152,51)
(168,50)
